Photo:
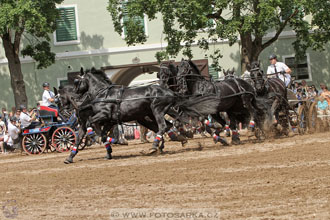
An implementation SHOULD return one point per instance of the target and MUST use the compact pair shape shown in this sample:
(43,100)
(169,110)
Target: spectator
(13,111)
(2,133)
(5,117)
(14,132)
(300,94)
(17,114)
(3,127)
(311,93)
(326,94)
(27,122)
(6,143)
(295,87)
(304,86)
(322,86)
(314,89)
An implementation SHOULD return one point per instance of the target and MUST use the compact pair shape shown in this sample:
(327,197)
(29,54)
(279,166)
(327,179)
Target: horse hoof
(67,161)
(236,141)
(183,143)
(224,142)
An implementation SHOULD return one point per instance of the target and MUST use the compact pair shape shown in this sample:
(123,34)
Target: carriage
(52,134)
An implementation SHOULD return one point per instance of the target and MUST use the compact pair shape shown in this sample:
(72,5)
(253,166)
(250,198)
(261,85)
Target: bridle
(258,77)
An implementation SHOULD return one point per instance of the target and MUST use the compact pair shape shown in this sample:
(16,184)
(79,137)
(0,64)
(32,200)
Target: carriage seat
(48,114)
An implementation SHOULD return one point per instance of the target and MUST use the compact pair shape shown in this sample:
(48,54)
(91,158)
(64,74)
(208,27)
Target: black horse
(274,94)
(234,96)
(167,76)
(113,104)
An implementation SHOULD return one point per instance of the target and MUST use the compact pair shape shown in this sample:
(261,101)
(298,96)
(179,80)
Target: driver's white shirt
(45,96)
(279,68)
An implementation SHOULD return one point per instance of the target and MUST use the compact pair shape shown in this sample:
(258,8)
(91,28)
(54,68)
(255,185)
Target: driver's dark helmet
(272,56)
(21,107)
(45,84)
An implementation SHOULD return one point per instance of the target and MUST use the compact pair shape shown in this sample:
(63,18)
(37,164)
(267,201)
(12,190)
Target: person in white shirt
(26,121)
(279,70)
(6,143)
(48,97)
(14,132)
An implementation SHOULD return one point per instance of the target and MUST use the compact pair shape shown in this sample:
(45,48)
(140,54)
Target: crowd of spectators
(309,92)
(11,124)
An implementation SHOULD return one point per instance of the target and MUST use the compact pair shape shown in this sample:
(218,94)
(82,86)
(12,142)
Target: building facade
(85,37)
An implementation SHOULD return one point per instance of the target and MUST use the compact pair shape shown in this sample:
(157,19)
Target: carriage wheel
(302,119)
(313,122)
(63,139)
(34,143)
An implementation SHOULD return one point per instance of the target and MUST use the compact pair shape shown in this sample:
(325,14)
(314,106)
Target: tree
(34,20)
(245,20)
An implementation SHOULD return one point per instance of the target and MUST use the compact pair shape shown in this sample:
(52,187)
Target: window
(62,82)
(141,21)
(213,72)
(67,26)
(300,68)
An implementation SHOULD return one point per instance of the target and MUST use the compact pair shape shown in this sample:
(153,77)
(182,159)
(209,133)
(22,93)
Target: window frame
(71,42)
(308,66)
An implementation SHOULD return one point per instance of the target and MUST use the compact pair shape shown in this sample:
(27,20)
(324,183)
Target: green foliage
(40,52)
(35,19)
(185,21)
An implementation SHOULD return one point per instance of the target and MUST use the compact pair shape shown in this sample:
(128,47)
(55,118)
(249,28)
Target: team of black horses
(182,92)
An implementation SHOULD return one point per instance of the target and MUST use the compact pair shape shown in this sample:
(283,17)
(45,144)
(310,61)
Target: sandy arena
(285,178)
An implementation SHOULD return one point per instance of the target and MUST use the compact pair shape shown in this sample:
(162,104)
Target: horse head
(91,81)
(167,75)
(188,74)
(257,76)
(81,83)
(229,73)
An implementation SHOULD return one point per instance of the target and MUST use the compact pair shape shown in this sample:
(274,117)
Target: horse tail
(199,106)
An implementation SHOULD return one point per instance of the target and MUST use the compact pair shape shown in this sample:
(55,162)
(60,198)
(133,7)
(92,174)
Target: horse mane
(193,65)
(100,74)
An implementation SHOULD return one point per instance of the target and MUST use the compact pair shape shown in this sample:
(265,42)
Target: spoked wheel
(313,122)
(63,139)
(302,119)
(34,143)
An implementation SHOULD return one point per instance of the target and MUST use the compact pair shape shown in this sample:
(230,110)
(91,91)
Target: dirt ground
(285,178)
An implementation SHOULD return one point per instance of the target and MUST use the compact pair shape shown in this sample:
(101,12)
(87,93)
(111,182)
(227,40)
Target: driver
(279,70)
(48,97)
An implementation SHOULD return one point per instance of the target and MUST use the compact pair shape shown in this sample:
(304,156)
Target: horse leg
(216,133)
(259,107)
(151,125)
(159,113)
(233,126)
(74,151)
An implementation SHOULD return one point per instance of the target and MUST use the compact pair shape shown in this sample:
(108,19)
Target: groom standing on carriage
(279,70)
